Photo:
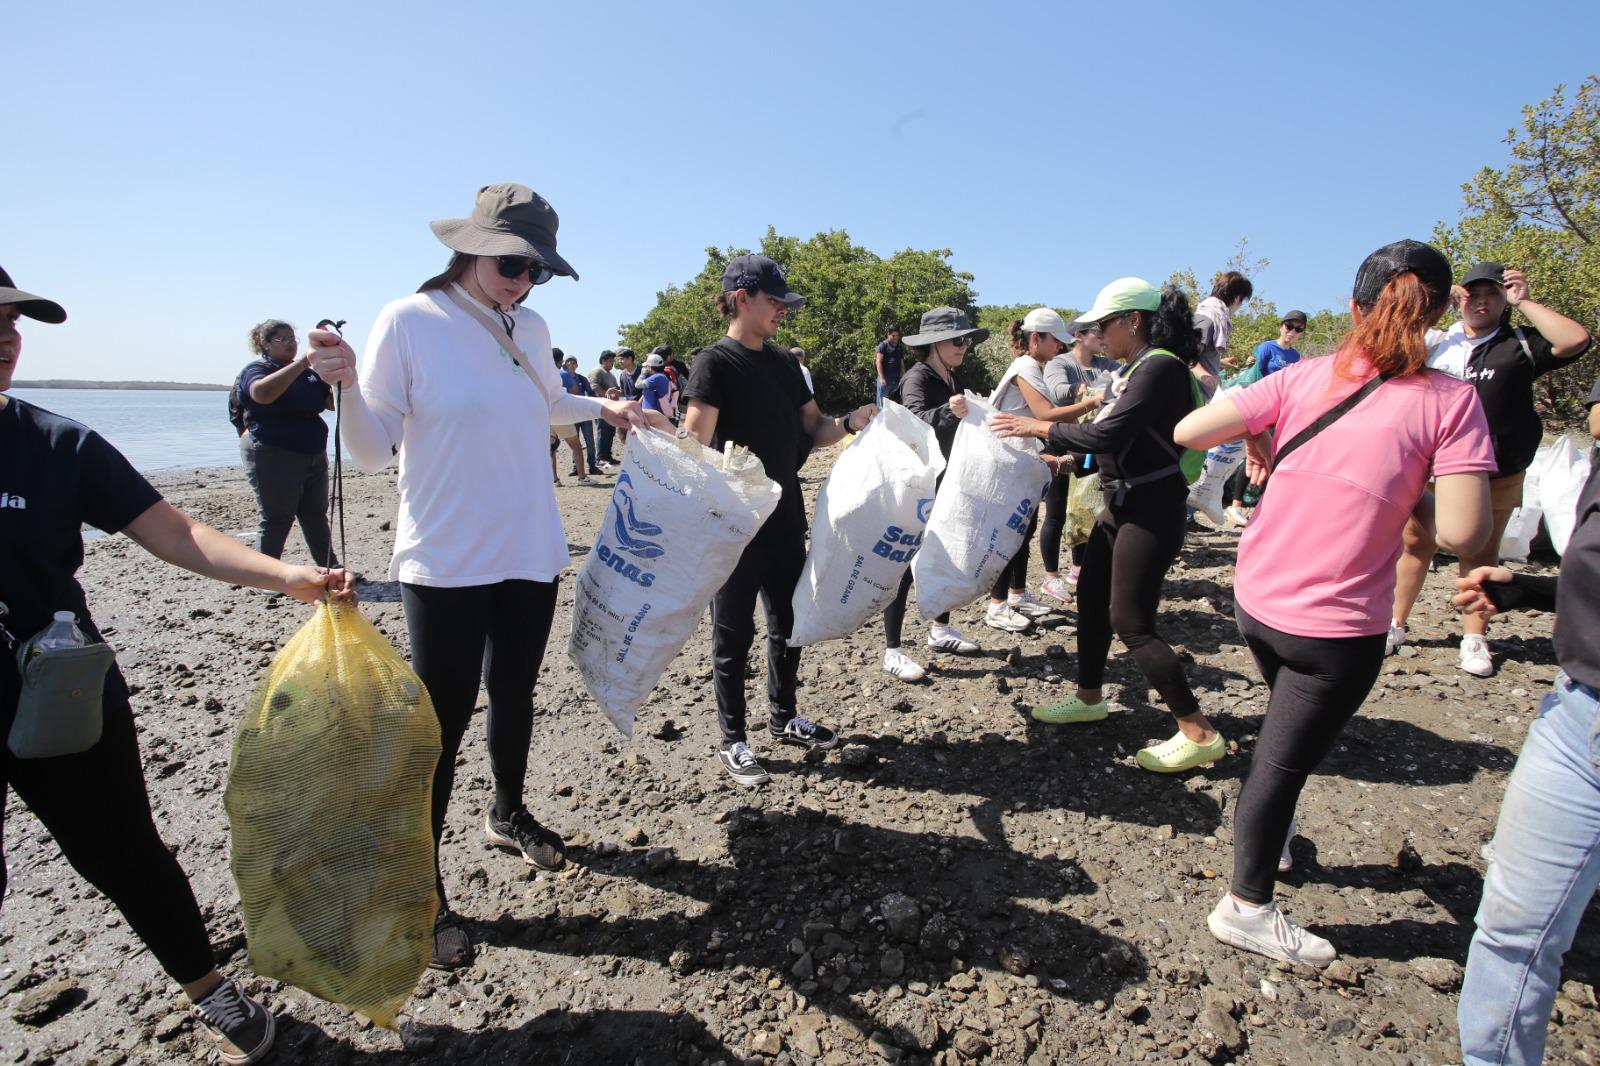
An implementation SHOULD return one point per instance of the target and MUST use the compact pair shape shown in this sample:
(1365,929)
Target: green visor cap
(1124,294)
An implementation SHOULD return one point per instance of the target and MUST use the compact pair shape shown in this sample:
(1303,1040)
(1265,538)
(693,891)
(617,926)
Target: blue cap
(762,274)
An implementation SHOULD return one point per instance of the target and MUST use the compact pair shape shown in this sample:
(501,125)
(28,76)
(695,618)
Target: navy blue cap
(760,273)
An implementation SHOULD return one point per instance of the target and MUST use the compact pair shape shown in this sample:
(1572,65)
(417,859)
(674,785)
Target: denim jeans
(586,431)
(884,389)
(608,433)
(1544,866)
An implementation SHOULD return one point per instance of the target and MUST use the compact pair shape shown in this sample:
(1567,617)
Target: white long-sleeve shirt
(477,504)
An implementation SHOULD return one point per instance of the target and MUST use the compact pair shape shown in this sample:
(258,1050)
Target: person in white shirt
(458,382)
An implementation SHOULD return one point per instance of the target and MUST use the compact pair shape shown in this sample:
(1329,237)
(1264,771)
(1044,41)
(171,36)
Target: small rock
(658,859)
(1014,656)
(1219,1034)
(804,968)
(1340,972)
(902,917)
(940,940)
(42,1003)
(1016,962)
(855,757)
(1443,974)
(971,1045)
(766,1043)
(892,964)
(995,994)
(171,1025)
(635,837)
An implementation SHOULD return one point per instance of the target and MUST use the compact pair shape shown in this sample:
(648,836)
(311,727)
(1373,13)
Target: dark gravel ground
(957,884)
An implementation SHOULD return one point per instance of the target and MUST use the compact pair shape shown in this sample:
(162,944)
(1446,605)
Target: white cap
(1044,320)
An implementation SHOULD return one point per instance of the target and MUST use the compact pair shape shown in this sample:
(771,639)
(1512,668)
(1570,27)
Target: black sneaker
(521,832)
(452,948)
(804,732)
(240,1028)
(742,765)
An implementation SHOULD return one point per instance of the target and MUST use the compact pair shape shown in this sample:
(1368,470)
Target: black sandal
(452,948)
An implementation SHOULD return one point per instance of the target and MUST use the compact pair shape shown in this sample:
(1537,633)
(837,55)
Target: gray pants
(288,485)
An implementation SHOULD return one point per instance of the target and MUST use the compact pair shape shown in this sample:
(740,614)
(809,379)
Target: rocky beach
(956,884)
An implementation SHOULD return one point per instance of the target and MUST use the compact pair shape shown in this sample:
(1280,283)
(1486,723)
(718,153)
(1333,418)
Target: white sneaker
(1057,589)
(1268,933)
(1475,658)
(1001,616)
(1238,516)
(1286,860)
(902,665)
(1395,640)
(1027,604)
(949,638)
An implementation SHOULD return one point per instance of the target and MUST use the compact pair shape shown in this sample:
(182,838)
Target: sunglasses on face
(1294,328)
(514,266)
(962,342)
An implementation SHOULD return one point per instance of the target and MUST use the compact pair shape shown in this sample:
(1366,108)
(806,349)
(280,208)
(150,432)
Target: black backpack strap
(1333,415)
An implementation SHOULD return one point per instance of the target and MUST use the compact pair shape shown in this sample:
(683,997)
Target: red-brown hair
(1391,332)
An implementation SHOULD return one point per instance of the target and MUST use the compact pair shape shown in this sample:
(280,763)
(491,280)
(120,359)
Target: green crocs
(1070,711)
(1179,753)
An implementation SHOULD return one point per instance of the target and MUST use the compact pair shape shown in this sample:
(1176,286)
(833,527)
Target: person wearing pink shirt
(1360,435)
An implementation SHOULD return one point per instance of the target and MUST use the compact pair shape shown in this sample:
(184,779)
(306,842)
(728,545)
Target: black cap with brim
(1494,272)
(1403,257)
(35,307)
(760,273)
(1294,316)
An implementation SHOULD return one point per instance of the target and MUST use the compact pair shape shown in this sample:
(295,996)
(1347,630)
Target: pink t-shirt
(1318,557)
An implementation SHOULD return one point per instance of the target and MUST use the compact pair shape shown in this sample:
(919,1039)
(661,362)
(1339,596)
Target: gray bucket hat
(508,219)
(945,324)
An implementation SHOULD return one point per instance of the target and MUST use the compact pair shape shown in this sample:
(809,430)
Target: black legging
(1014,575)
(459,637)
(894,615)
(1317,684)
(1129,551)
(1055,522)
(1237,484)
(95,805)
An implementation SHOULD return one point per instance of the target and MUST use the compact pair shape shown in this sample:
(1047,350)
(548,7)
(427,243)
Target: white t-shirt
(1008,398)
(477,504)
(1450,350)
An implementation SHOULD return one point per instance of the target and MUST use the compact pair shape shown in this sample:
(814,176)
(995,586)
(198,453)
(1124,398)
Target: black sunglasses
(1294,327)
(514,266)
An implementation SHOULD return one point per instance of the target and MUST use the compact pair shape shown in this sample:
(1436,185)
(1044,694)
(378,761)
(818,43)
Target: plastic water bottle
(61,633)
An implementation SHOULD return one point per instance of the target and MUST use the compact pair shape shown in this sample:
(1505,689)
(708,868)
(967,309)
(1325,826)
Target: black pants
(288,486)
(608,433)
(1237,484)
(1055,522)
(770,567)
(894,615)
(490,633)
(1014,575)
(1318,684)
(95,805)
(1129,551)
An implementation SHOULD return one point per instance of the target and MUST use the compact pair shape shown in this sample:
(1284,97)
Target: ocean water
(156,429)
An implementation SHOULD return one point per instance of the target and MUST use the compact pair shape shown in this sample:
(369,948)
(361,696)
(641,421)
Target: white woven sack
(991,489)
(679,518)
(868,527)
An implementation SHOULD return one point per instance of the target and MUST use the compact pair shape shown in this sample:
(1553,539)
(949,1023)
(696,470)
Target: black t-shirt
(925,394)
(758,396)
(1504,375)
(55,475)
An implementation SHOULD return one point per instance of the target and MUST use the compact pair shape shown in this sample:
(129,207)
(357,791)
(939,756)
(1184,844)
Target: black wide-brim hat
(35,307)
(508,219)
(945,324)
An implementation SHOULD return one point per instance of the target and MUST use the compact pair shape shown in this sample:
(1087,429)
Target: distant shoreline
(148,386)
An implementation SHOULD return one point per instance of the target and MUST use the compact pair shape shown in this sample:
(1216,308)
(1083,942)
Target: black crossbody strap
(1338,411)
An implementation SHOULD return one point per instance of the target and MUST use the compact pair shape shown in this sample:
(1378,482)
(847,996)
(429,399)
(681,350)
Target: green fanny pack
(60,710)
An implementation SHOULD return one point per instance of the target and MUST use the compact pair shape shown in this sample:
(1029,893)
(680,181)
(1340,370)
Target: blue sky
(176,172)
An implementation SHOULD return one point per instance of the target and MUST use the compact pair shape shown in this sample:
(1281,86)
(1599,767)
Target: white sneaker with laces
(1027,604)
(1238,515)
(1057,589)
(1395,640)
(1267,932)
(949,638)
(1001,616)
(1475,658)
(902,665)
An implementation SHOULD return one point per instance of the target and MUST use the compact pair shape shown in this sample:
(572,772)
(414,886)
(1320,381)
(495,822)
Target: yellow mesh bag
(328,801)
(1084,503)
